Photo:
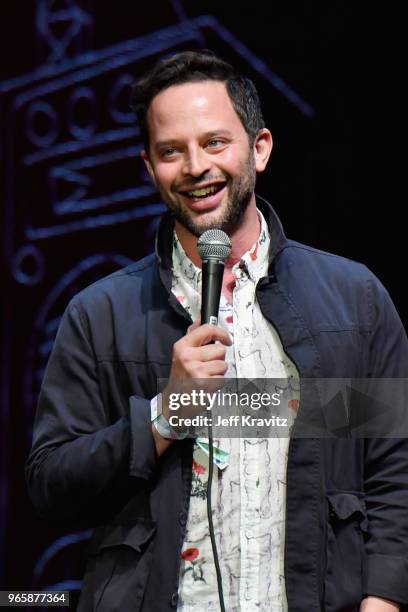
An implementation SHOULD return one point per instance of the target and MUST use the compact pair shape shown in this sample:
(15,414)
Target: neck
(242,237)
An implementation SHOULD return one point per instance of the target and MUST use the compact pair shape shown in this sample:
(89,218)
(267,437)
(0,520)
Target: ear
(145,156)
(262,149)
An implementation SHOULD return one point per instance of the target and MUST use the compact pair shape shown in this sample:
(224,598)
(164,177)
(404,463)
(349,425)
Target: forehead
(190,108)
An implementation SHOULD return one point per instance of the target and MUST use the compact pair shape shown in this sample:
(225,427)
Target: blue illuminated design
(38,112)
(65,585)
(128,195)
(72,127)
(54,548)
(261,67)
(28,256)
(145,46)
(155,43)
(70,173)
(75,178)
(123,83)
(178,8)
(73,146)
(90,68)
(78,96)
(71,15)
(93,222)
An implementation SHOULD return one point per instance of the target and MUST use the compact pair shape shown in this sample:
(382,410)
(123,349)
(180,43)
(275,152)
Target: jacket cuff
(387,577)
(142,447)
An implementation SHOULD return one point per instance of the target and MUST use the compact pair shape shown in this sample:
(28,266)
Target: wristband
(160,422)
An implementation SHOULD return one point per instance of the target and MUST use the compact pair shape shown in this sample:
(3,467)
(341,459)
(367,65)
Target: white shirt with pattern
(248,496)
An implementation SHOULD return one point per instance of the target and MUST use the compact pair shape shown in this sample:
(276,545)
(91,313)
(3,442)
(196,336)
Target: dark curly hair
(194,66)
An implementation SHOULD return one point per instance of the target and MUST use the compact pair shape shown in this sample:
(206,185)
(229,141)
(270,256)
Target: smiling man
(311,525)
(205,171)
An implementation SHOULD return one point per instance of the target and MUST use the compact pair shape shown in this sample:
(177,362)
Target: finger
(200,371)
(204,334)
(194,326)
(209,352)
(216,368)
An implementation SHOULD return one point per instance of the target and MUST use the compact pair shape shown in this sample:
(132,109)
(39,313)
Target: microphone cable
(210,518)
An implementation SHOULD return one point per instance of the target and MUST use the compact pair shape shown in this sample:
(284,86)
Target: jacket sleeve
(82,466)
(386,461)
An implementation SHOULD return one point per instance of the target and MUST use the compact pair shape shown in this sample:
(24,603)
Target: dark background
(77,204)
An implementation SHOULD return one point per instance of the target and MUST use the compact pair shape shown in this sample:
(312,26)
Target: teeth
(203,192)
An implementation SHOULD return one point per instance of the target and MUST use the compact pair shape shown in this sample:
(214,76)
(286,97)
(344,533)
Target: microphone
(214,248)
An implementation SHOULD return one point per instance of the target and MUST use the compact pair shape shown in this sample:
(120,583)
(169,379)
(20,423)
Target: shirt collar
(184,267)
(253,264)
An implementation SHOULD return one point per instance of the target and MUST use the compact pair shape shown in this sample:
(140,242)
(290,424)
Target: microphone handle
(212,274)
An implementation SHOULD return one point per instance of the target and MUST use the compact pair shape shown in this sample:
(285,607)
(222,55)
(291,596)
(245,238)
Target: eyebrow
(205,136)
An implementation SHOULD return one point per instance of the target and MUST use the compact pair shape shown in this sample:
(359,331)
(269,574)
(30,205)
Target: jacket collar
(278,240)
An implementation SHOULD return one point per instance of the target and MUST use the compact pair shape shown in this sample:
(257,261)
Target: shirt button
(183,519)
(174,600)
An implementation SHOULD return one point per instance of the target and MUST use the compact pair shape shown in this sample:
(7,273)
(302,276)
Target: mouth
(205,196)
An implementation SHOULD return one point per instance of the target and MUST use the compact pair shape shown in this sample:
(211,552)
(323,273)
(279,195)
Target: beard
(240,191)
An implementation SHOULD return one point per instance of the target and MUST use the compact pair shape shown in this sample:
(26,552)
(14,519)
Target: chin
(214,219)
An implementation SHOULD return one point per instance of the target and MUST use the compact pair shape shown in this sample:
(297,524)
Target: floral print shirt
(248,496)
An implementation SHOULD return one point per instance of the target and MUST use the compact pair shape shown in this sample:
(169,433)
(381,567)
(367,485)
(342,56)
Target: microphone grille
(214,244)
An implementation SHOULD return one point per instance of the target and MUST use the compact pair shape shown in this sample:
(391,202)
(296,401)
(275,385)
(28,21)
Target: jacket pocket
(345,553)
(118,567)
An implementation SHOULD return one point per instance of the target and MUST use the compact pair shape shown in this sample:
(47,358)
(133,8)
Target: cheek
(165,177)
(234,161)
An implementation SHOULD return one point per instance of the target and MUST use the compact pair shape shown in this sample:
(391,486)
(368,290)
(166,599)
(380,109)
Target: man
(334,510)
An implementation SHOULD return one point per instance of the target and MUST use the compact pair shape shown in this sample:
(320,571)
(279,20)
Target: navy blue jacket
(93,460)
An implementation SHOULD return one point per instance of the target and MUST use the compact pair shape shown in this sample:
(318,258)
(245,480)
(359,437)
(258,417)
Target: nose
(196,162)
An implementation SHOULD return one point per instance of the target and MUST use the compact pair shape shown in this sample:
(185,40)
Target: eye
(215,142)
(169,152)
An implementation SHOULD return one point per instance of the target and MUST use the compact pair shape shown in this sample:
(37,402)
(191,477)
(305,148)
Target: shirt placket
(246,585)
(243,295)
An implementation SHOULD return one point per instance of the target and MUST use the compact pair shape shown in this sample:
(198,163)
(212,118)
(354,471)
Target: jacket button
(174,600)
(183,519)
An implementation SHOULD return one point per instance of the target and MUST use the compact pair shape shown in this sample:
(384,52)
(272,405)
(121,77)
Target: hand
(196,364)
(194,359)
(378,604)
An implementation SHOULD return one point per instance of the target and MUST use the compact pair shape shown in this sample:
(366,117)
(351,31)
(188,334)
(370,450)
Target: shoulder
(319,266)
(326,261)
(118,286)
(331,283)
